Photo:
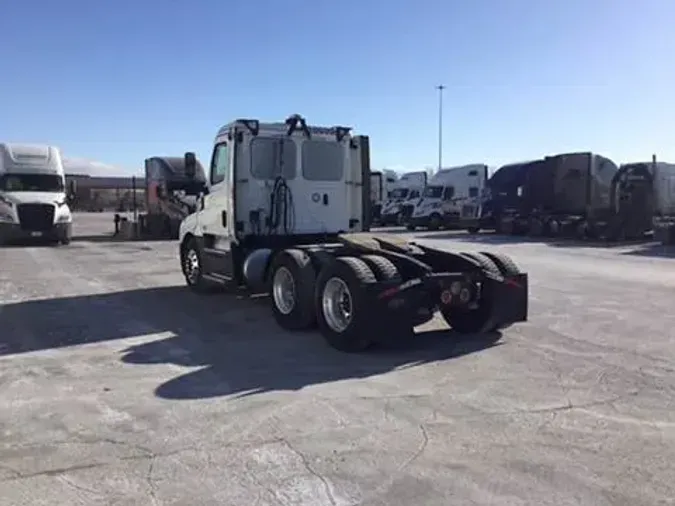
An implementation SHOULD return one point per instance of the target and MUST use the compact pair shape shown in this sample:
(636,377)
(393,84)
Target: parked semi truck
(381,184)
(170,194)
(664,201)
(633,201)
(403,196)
(451,199)
(565,195)
(33,200)
(503,197)
(286,211)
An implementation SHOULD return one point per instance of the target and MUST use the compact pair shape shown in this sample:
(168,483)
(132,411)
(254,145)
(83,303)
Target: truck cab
(284,212)
(270,185)
(452,198)
(402,198)
(663,174)
(33,200)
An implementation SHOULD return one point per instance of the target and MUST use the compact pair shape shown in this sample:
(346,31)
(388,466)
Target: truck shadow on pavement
(230,340)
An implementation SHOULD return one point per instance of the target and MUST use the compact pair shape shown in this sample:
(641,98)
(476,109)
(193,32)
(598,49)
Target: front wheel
(343,308)
(192,267)
(435,221)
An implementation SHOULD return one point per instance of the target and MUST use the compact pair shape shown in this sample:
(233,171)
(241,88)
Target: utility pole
(440,89)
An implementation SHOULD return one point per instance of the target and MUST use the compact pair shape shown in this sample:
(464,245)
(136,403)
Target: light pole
(440,89)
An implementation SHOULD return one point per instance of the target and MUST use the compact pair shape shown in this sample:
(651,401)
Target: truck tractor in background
(452,199)
(663,176)
(566,195)
(286,211)
(170,195)
(503,197)
(381,184)
(33,200)
(403,197)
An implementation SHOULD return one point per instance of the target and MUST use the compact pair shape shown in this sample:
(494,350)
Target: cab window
(414,194)
(220,163)
(473,191)
(448,192)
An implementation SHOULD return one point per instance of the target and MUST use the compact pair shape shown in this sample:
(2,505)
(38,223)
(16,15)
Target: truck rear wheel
(342,304)
(292,281)
(506,266)
(383,269)
(476,320)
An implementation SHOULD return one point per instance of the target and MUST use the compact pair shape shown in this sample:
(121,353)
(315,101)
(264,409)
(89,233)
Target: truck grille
(36,217)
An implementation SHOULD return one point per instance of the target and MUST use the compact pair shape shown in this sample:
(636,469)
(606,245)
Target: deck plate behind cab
(374,242)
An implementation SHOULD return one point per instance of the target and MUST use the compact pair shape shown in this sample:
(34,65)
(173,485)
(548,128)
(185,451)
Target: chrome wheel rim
(191,266)
(283,290)
(336,303)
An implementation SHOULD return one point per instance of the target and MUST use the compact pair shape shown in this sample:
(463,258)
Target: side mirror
(190,164)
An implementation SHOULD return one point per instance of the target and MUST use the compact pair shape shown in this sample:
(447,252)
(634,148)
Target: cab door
(216,214)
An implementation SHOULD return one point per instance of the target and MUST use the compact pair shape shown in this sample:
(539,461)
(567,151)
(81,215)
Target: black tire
(485,262)
(506,228)
(506,266)
(191,265)
(473,230)
(382,267)
(356,275)
(302,314)
(410,227)
(478,320)
(435,221)
(535,228)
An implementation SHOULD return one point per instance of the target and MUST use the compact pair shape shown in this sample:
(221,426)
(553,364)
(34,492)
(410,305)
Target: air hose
(282,208)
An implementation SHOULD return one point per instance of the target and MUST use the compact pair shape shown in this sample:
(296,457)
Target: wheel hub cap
(336,303)
(191,266)
(283,290)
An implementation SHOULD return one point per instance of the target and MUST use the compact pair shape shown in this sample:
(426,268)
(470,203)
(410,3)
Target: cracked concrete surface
(119,387)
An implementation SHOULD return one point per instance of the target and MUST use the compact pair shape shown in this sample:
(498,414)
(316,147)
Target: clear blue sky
(119,81)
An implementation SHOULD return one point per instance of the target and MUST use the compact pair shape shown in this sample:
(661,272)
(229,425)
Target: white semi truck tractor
(286,210)
(33,200)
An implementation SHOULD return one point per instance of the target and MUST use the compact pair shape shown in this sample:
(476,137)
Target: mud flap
(509,299)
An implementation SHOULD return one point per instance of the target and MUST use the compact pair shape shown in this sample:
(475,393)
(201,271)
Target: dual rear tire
(335,295)
(336,300)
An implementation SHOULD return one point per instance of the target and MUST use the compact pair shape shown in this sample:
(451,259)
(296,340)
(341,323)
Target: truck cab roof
(30,159)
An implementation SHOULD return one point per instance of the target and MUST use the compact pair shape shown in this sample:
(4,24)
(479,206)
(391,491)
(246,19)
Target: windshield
(433,192)
(399,193)
(32,183)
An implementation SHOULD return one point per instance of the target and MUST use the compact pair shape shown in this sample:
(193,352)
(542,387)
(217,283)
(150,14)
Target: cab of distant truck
(504,195)
(452,198)
(33,197)
(402,198)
